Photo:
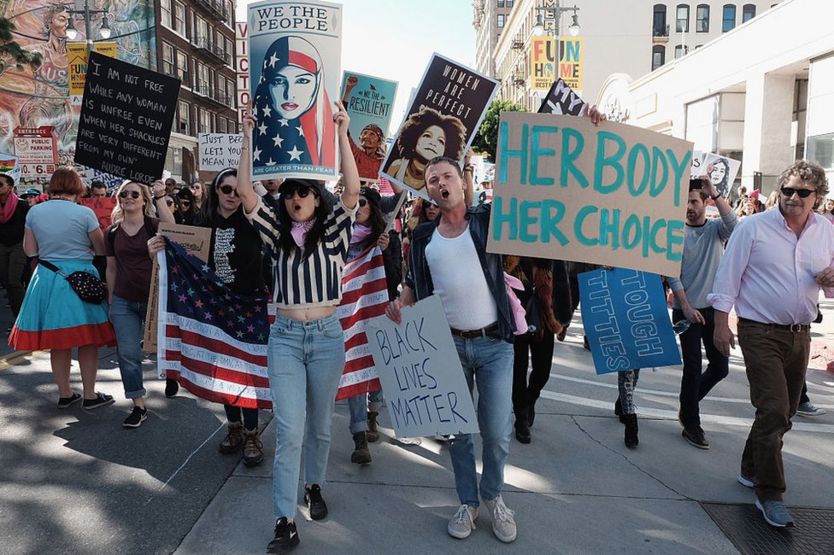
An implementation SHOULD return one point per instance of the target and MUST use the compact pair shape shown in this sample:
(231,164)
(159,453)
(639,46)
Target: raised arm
(350,175)
(162,208)
(245,190)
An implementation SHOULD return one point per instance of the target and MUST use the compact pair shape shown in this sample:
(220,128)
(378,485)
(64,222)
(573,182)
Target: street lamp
(72,33)
(555,13)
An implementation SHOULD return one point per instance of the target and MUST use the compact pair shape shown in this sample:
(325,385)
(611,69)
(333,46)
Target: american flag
(211,340)
(364,296)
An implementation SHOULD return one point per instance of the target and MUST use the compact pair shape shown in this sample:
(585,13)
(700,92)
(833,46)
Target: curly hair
(422,120)
(809,173)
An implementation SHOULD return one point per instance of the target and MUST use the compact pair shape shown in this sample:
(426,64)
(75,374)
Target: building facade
(196,44)
(628,38)
(489,19)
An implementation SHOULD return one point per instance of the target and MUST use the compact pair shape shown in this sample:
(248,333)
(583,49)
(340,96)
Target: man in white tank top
(448,258)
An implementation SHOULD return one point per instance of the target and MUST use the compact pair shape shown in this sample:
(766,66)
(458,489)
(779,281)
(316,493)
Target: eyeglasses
(185,203)
(803,193)
(133,194)
(169,202)
(228,190)
(362,202)
(301,190)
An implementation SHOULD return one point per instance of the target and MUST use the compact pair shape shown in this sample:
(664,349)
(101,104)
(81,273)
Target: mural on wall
(31,97)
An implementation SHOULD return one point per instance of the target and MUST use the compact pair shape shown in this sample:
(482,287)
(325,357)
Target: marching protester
(785,254)
(196,189)
(186,213)
(306,237)
(129,281)
(702,249)
(12,258)
(64,235)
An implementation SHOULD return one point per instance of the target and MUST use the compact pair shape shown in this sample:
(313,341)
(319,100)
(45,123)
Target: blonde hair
(149,209)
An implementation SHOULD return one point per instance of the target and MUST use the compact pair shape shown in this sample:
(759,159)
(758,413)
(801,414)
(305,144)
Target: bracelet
(157,198)
(714,198)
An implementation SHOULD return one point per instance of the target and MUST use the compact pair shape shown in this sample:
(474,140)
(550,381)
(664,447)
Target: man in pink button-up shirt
(773,269)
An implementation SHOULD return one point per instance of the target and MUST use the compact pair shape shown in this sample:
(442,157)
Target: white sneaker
(808,409)
(503,523)
(462,524)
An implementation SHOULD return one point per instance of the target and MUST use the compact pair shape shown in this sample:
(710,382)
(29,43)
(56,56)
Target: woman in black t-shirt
(235,257)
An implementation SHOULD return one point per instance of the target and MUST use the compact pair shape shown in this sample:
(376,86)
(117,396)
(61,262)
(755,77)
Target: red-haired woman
(53,317)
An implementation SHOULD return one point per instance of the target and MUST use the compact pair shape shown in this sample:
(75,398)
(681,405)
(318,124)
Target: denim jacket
(419,274)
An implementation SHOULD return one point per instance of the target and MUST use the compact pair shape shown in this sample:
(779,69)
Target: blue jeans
(306,360)
(489,362)
(128,319)
(359,405)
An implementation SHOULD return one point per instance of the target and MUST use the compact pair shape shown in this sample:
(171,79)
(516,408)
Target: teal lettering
(656,227)
(674,236)
(611,228)
(528,219)
(678,169)
(537,151)
(506,152)
(631,232)
(638,150)
(499,218)
(602,161)
(583,213)
(569,155)
(552,213)
(658,161)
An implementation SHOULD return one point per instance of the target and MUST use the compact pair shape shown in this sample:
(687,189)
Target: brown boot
(253,448)
(373,429)
(233,440)
(361,454)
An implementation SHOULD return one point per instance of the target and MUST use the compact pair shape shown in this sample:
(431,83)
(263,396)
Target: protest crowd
(282,257)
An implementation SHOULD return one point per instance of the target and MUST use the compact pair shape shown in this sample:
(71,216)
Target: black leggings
(250,416)
(526,393)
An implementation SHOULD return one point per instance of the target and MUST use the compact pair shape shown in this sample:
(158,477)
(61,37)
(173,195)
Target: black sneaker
(171,387)
(695,436)
(314,502)
(286,537)
(135,418)
(67,402)
(100,400)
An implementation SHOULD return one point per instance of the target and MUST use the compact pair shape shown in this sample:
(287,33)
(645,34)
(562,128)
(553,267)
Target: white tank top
(460,281)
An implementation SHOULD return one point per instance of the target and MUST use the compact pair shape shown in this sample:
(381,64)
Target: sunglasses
(228,190)
(131,194)
(185,203)
(363,202)
(169,202)
(803,193)
(301,190)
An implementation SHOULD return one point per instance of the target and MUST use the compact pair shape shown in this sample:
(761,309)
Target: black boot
(373,428)
(522,428)
(630,421)
(531,414)
(361,454)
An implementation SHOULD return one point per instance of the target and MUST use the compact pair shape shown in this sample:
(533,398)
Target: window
(500,20)
(179,19)
(681,50)
(205,121)
(702,19)
(748,12)
(659,21)
(183,122)
(165,13)
(658,56)
(167,59)
(510,3)
(202,84)
(182,67)
(230,13)
(500,3)
(728,20)
(201,31)
(221,125)
(682,15)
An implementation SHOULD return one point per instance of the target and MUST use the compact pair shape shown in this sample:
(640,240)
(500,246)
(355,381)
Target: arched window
(658,56)
(702,18)
(682,18)
(748,12)
(681,50)
(659,21)
(728,19)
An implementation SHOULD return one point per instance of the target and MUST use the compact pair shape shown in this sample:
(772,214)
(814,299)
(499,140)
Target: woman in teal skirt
(53,317)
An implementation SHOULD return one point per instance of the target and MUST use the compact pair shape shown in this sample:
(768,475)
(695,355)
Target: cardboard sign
(103,208)
(295,50)
(219,151)
(561,99)
(369,101)
(418,365)
(37,150)
(126,119)
(197,241)
(722,172)
(610,194)
(441,120)
(626,320)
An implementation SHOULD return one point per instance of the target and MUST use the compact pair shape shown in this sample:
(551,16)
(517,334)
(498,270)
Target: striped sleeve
(265,221)
(339,228)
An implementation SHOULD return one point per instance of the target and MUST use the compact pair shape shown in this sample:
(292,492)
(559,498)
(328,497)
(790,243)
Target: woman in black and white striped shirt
(308,239)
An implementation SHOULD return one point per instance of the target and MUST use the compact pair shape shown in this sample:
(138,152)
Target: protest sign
(441,120)
(295,51)
(722,172)
(368,101)
(77,59)
(103,208)
(561,99)
(570,61)
(219,151)
(36,149)
(9,165)
(698,167)
(418,365)
(625,317)
(197,241)
(242,67)
(126,119)
(610,194)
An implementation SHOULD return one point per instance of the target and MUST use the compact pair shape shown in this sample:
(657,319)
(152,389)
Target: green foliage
(486,139)
(10,51)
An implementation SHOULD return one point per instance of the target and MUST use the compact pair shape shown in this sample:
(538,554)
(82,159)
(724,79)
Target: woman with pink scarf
(12,259)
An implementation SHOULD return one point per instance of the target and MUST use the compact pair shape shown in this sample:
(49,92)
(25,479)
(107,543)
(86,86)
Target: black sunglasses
(169,202)
(227,190)
(803,193)
(301,190)
(363,202)
(185,203)
(132,194)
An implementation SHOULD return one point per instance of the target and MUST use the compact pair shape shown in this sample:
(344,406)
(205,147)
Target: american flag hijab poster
(295,67)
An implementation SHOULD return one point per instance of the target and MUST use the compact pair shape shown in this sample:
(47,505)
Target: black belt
(793,328)
(489,331)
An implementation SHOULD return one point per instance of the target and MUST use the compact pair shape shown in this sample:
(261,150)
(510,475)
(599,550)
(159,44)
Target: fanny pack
(87,286)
